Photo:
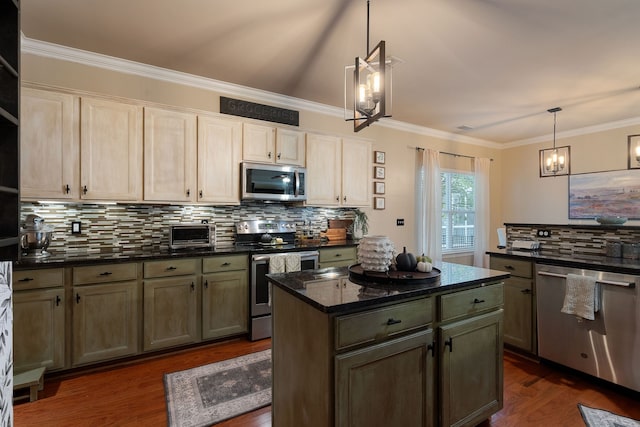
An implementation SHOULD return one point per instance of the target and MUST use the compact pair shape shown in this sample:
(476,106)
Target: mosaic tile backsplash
(573,239)
(108,228)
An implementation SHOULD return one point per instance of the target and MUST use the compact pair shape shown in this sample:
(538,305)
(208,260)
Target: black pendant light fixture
(371,86)
(555,161)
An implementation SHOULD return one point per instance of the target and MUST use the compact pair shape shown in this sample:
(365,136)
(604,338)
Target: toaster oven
(187,236)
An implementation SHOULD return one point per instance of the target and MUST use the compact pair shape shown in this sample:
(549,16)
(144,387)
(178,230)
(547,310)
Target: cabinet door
(49,145)
(219,157)
(258,143)
(323,170)
(471,369)
(110,150)
(105,321)
(290,147)
(38,324)
(356,173)
(170,312)
(225,304)
(169,156)
(389,384)
(518,307)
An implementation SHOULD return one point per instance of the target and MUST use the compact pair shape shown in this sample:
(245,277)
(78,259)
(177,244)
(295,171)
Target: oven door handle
(603,282)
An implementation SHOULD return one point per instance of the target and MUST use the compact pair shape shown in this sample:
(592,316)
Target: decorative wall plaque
(237,107)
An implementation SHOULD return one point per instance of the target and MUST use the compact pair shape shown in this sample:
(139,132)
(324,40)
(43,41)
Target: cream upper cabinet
(49,145)
(110,150)
(219,157)
(267,144)
(356,172)
(290,147)
(169,155)
(324,156)
(339,171)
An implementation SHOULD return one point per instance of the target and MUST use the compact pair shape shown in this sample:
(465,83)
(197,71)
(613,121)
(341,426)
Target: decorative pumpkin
(406,261)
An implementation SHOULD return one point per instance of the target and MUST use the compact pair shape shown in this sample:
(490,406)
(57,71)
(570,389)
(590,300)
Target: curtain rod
(450,154)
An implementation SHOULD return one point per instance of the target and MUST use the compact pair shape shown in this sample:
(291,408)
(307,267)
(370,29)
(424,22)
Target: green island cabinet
(337,257)
(106,305)
(170,291)
(433,360)
(519,302)
(39,319)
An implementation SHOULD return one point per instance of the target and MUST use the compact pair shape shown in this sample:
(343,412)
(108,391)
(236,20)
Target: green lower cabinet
(391,383)
(170,312)
(105,321)
(337,257)
(39,333)
(471,369)
(518,316)
(224,304)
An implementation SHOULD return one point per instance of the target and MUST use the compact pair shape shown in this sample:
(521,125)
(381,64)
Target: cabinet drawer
(516,267)
(472,301)
(383,323)
(104,273)
(37,279)
(225,263)
(337,254)
(171,267)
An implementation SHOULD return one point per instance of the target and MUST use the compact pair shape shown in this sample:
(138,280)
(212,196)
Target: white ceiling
(493,65)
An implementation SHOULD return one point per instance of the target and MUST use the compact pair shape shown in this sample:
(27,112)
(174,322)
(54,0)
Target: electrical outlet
(544,233)
(400,222)
(76,227)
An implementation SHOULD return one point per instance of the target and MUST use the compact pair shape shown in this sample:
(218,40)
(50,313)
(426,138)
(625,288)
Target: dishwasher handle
(602,282)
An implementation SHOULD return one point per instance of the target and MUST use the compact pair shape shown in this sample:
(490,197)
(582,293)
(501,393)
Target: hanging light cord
(367,51)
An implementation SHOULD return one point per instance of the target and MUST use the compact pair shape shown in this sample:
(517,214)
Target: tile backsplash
(108,228)
(574,239)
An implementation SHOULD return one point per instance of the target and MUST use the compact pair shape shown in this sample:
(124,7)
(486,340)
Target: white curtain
(429,204)
(482,225)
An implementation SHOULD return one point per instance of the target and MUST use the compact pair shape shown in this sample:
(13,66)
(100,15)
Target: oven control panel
(260,226)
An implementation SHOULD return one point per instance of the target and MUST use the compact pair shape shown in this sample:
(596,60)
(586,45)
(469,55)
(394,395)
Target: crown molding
(603,127)
(56,51)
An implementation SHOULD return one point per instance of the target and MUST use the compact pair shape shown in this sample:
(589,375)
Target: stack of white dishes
(375,253)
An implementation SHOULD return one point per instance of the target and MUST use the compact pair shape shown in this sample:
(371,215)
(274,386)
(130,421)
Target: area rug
(601,418)
(216,392)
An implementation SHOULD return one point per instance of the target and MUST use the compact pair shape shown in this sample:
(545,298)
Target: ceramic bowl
(611,220)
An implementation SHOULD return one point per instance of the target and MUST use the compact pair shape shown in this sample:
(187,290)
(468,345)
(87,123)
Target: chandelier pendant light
(555,161)
(371,86)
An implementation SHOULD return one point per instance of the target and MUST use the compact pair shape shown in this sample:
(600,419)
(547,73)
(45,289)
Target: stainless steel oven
(260,290)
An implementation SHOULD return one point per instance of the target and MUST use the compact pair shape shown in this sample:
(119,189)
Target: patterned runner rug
(212,393)
(601,418)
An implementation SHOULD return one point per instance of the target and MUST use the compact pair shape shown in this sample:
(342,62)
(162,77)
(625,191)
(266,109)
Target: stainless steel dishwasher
(607,347)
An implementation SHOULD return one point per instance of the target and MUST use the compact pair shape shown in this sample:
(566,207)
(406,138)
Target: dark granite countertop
(577,260)
(70,259)
(324,298)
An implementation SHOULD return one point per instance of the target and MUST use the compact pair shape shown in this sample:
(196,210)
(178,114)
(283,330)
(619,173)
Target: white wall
(527,198)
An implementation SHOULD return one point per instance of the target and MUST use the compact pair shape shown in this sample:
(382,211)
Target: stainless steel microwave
(273,182)
(187,236)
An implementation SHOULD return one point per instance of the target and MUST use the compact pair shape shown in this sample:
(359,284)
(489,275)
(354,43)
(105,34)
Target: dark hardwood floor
(132,394)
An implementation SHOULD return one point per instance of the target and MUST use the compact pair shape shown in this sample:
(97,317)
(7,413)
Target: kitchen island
(350,354)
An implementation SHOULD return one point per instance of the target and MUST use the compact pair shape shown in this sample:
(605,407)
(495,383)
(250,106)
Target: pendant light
(370,86)
(555,161)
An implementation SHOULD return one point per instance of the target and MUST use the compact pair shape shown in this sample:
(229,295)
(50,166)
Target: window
(458,211)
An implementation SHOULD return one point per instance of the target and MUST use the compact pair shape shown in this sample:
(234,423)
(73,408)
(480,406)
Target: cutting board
(340,223)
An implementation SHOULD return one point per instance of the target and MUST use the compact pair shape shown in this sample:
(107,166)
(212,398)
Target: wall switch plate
(400,222)
(544,233)
(76,227)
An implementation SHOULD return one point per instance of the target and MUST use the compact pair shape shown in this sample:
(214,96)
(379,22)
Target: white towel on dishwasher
(581,297)
(277,264)
(292,262)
